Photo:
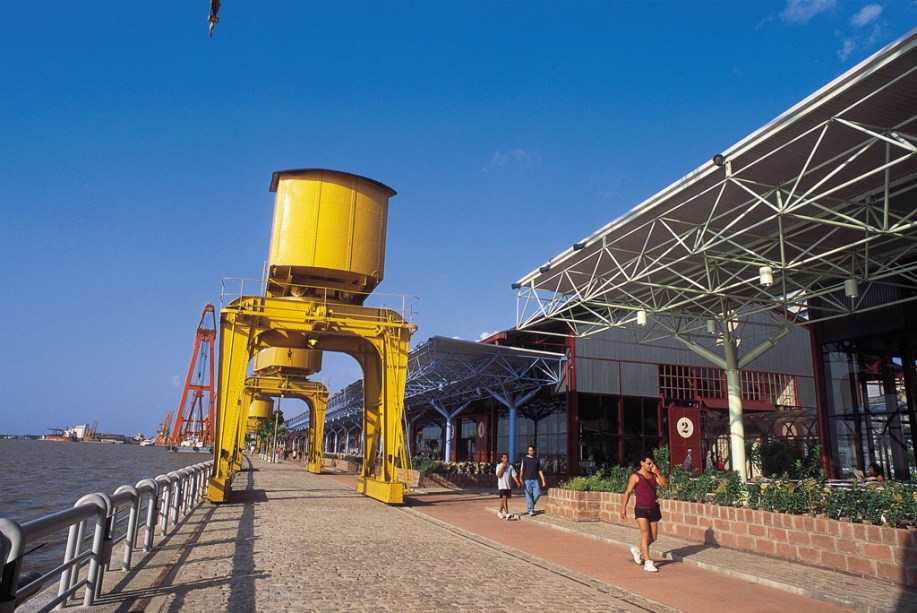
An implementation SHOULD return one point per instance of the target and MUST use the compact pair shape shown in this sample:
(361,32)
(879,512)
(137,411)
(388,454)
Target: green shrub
(894,502)
(591,483)
(778,457)
(426,465)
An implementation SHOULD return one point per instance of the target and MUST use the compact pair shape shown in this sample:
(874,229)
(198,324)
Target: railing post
(94,574)
(175,496)
(184,473)
(130,536)
(12,547)
(150,486)
(165,490)
(74,545)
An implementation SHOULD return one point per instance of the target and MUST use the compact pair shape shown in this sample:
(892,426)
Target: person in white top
(506,475)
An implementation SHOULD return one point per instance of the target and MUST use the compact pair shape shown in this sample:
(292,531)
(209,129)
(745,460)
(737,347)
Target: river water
(41,477)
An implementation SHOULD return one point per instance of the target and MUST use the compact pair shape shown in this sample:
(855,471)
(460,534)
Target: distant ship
(59,435)
(148,442)
(192,445)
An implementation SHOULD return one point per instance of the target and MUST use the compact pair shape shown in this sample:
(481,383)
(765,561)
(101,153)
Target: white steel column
(450,417)
(734,396)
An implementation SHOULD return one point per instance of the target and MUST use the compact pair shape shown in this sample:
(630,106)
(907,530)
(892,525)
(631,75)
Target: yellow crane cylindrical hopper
(328,236)
(287,361)
(261,408)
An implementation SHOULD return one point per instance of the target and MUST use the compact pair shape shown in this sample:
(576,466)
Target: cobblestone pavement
(292,541)
(289,540)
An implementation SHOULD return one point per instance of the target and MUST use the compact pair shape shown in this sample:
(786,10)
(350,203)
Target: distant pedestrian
(506,476)
(643,484)
(688,462)
(709,463)
(532,475)
(720,466)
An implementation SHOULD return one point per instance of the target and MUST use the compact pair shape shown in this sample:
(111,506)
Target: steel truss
(822,195)
(449,373)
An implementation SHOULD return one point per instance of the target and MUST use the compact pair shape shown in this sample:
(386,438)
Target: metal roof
(823,194)
(451,372)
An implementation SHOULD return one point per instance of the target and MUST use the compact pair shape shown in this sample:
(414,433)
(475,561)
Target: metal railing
(233,288)
(95,525)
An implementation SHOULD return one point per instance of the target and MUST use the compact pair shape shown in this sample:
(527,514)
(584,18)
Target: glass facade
(616,429)
(869,390)
(548,434)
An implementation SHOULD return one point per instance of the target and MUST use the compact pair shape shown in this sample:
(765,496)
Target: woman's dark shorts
(505,493)
(652,513)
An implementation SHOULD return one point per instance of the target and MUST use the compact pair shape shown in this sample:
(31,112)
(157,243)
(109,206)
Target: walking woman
(646,509)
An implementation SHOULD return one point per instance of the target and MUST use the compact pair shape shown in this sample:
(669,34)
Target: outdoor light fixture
(641,317)
(711,326)
(516,285)
(766,276)
(851,288)
(578,246)
(545,268)
(718,159)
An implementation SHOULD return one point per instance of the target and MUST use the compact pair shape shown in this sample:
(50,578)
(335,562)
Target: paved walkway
(293,541)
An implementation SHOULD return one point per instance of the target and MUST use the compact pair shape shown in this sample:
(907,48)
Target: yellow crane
(327,254)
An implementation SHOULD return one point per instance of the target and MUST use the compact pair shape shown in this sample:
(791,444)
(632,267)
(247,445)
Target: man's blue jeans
(532,493)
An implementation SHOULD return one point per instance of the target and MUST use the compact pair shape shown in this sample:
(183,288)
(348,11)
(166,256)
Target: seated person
(874,473)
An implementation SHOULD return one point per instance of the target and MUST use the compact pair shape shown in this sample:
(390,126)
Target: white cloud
(517,157)
(484,335)
(801,11)
(847,48)
(176,381)
(867,14)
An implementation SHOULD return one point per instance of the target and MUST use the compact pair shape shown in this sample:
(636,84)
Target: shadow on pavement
(679,554)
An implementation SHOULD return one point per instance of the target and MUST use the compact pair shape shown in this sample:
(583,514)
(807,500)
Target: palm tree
(265,434)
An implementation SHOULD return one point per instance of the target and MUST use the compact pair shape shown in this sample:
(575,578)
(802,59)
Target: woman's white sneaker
(638,556)
(649,567)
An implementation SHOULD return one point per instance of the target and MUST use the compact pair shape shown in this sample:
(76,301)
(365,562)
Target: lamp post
(276,422)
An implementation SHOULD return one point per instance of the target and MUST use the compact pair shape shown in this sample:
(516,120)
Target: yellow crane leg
(317,410)
(231,416)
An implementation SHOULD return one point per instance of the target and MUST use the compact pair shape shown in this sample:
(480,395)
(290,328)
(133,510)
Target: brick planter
(344,465)
(879,552)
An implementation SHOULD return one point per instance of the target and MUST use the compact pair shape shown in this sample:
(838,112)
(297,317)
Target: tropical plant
(778,457)
(892,502)
(265,434)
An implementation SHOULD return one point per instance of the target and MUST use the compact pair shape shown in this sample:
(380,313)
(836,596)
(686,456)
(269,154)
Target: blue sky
(136,155)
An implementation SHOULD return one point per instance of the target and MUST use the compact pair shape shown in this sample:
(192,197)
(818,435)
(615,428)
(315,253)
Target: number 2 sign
(685,427)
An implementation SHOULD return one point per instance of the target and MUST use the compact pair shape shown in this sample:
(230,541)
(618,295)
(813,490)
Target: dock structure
(292,540)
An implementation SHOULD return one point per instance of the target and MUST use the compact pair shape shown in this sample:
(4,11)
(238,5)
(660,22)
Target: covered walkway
(290,540)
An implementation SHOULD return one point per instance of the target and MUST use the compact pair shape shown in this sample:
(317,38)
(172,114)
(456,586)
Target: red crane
(162,435)
(194,425)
